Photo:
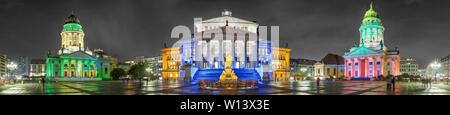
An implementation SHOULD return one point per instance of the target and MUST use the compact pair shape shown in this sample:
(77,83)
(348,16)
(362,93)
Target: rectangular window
(370,63)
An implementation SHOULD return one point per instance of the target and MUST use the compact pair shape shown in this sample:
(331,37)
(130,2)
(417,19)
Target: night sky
(313,28)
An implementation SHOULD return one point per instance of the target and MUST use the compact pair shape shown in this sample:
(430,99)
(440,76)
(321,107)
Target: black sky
(313,28)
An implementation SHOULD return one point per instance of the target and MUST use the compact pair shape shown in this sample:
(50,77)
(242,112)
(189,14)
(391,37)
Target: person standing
(388,82)
(318,81)
(393,83)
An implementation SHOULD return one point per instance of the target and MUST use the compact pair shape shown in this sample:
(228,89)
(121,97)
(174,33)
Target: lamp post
(11,67)
(435,66)
(149,70)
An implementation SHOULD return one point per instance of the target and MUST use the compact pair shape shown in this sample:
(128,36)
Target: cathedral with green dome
(74,62)
(371,59)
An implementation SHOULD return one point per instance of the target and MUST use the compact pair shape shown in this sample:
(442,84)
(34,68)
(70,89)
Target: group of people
(426,82)
(391,82)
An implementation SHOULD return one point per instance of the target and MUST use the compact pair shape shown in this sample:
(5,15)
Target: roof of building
(332,59)
(303,61)
(226,17)
(362,51)
(37,61)
(72,23)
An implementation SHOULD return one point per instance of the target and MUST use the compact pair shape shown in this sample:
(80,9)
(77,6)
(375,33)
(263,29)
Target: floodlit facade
(371,59)
(171,63)
(331,66)
(203,58)
(37,67)
(74,62)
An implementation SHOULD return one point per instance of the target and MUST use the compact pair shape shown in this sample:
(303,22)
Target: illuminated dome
(72,23)
(371,13)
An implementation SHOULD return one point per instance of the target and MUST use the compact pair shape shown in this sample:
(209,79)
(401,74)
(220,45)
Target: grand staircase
(214,74)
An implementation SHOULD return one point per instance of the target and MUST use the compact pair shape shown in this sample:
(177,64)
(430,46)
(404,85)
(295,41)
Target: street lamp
(435,66)
(11,67)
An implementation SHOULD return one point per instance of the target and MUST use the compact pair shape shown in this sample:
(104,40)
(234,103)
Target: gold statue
(228,74)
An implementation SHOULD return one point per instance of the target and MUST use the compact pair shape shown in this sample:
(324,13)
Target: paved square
(186,88)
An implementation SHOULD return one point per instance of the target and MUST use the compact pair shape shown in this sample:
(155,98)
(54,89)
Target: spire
(227,23)
(371,12)
(72,19)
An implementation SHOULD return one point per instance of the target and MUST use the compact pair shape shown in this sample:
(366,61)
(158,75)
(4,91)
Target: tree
(116,73)
(138,70)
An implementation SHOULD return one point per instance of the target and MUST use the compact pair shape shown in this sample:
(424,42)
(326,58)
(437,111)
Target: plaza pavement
(185,88)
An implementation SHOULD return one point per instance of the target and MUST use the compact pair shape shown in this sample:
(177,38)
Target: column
(345,68)
(221,54)
(382,64)
(88,68)
(352,66)
(208,53)
(69,71)
(374,67)
(366,67)
(245,53)
(61,67)
(83,62)
(359,67)
(77,68)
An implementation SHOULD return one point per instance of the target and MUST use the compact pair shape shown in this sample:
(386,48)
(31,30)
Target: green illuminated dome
(72,23)
(371,13)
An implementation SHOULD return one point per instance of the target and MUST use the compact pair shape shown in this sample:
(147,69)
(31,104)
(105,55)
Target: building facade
(37,67)
(371,59)
(302,68)
(445,66)
(113,61)
(331,66)
(74,61)
(251,58)
(171,64)
(3,62)
(154,63)
(409,66)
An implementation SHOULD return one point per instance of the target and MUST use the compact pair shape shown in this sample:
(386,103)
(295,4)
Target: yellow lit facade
(72,39)
(171,63)
(280,63)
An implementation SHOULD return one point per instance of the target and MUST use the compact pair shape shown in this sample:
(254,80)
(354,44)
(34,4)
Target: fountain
(229,80)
